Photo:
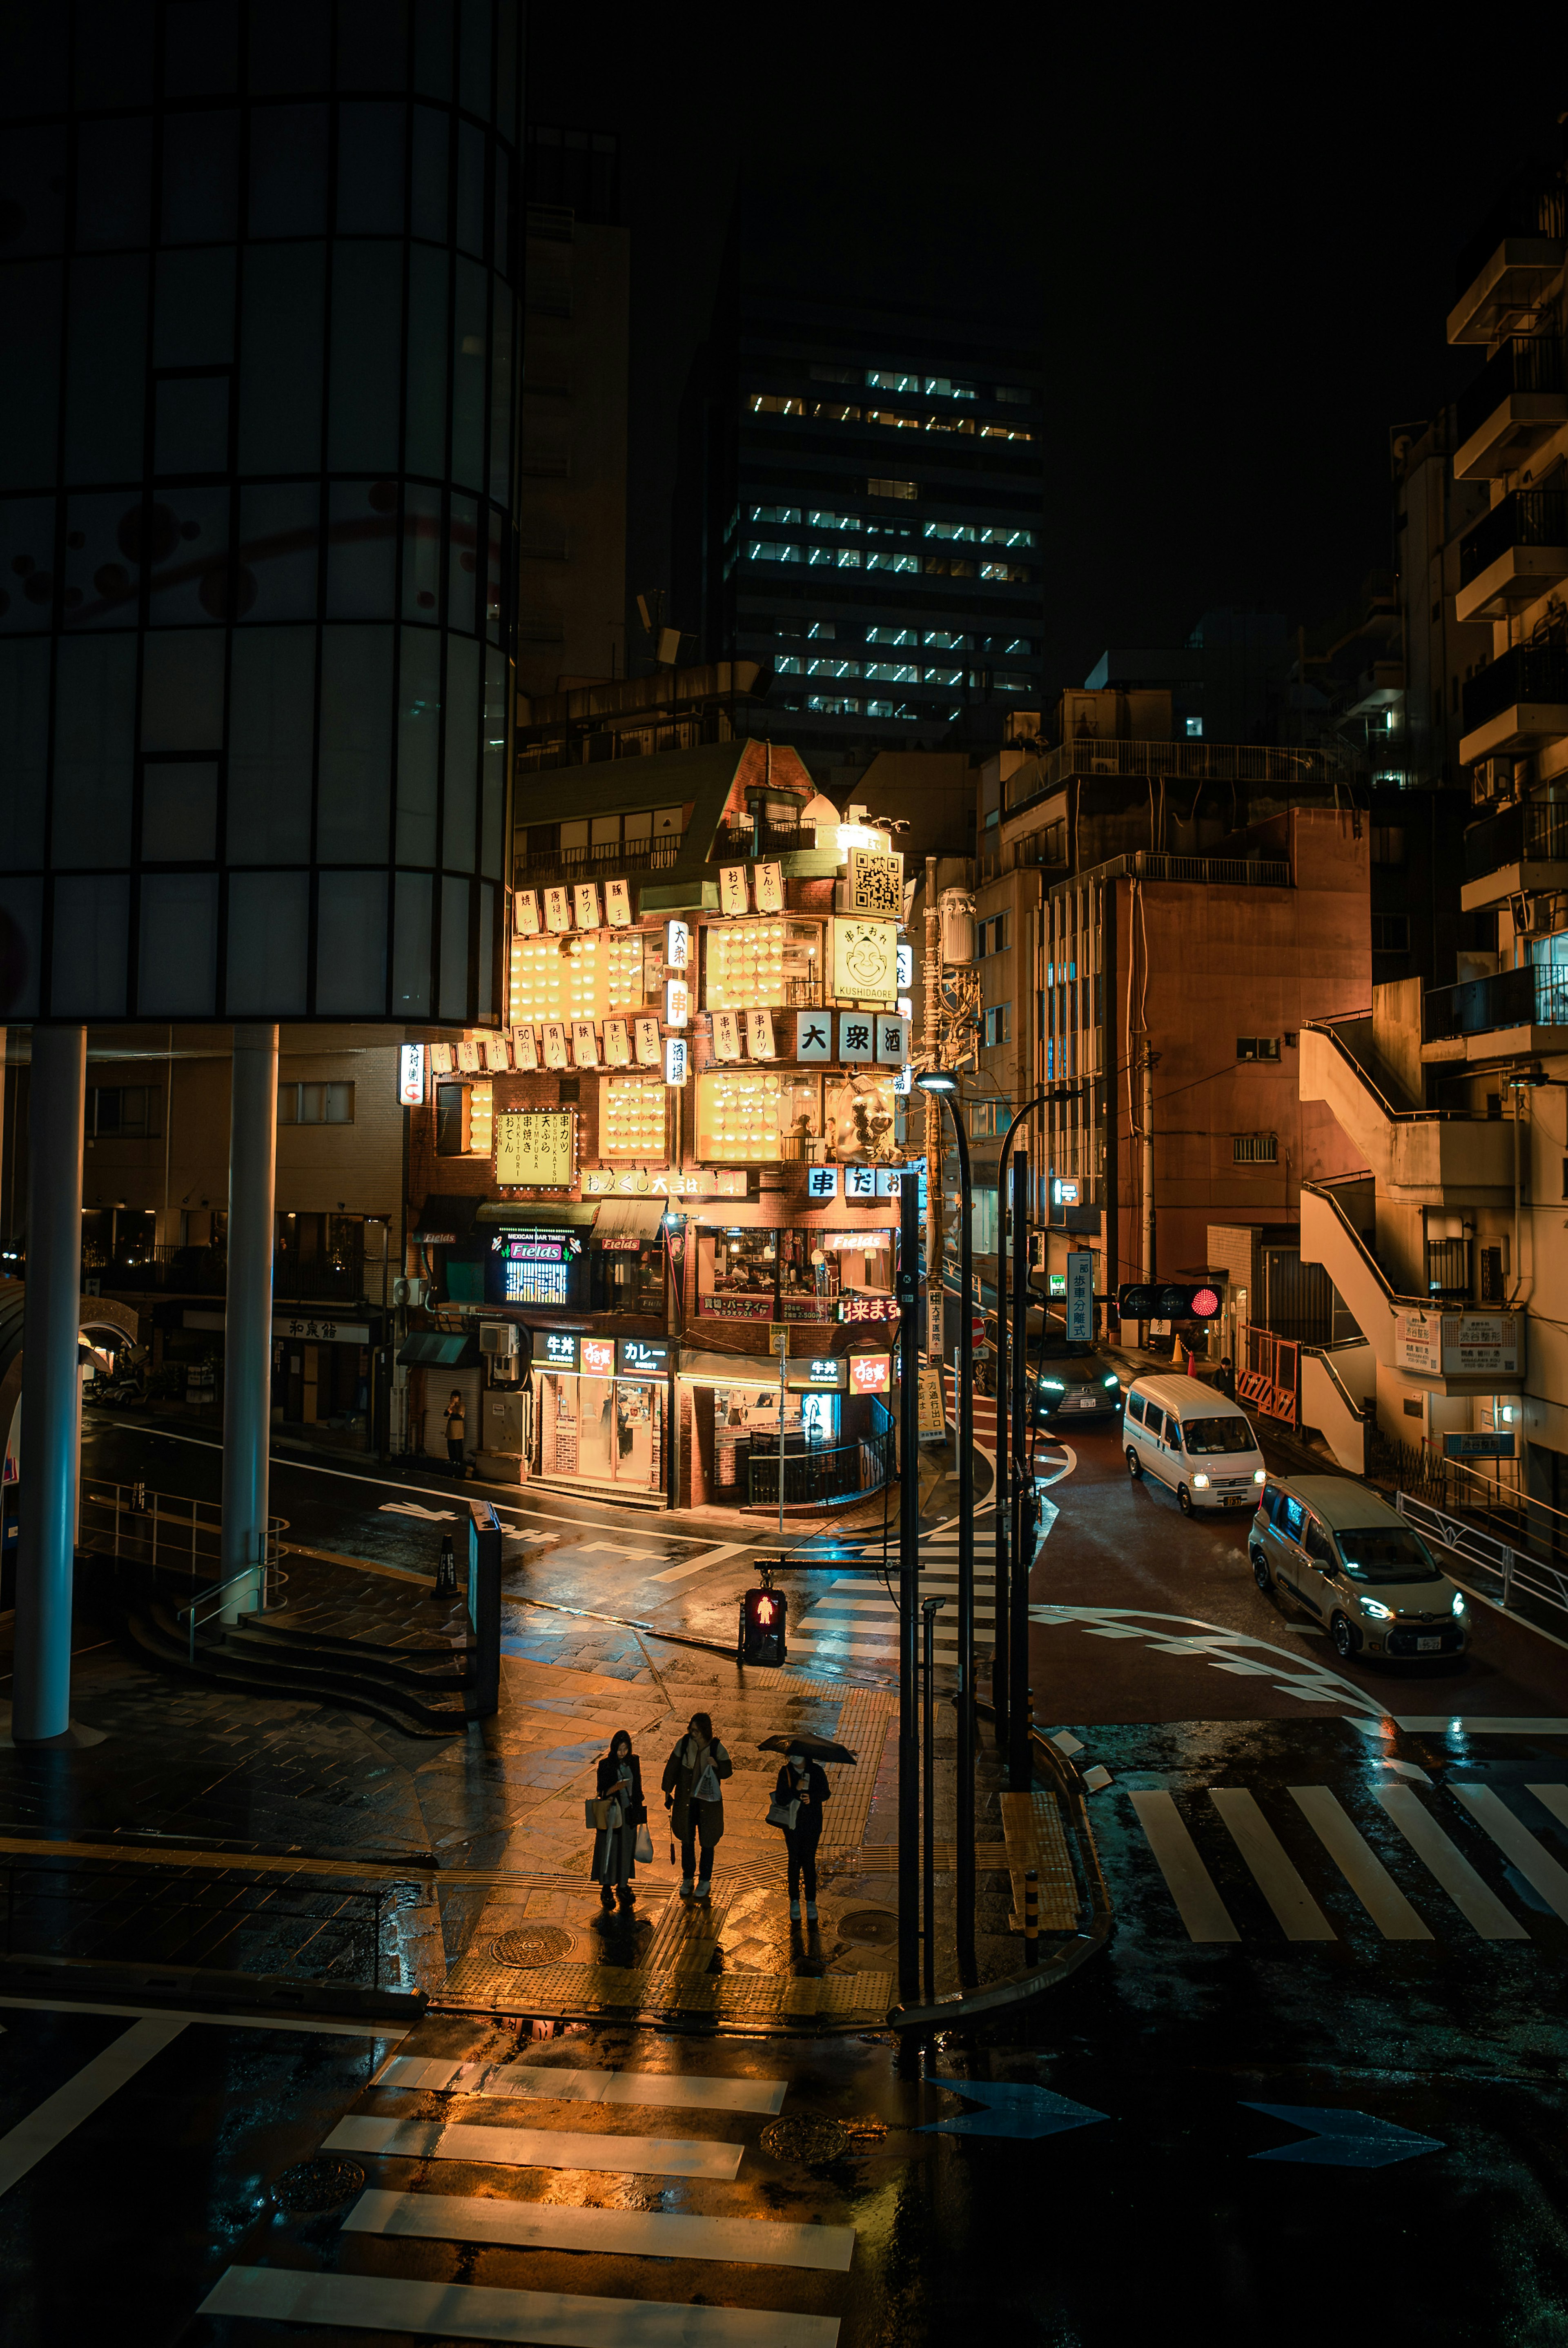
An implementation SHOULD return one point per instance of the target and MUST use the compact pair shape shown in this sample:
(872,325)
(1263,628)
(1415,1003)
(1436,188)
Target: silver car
(1352,1562)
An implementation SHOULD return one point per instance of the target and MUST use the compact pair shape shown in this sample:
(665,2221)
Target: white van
(1188,1436)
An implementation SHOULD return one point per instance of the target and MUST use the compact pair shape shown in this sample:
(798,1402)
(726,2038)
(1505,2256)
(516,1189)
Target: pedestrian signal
(762,1619)
(1168,1301)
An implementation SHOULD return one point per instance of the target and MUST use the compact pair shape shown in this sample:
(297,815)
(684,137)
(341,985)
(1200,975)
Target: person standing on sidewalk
(693,1779)
(457,1428)
(615,1848)
(803,1782)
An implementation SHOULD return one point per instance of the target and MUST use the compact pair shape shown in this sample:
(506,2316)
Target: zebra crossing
(1435,1863)
(856,1619)
(518,2212)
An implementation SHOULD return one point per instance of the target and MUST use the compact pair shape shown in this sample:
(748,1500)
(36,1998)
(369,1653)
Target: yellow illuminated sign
(536,1150)
(865,961)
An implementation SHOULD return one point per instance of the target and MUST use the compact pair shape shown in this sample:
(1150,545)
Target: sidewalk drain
(873,1926)
(542,1944)
(805,2139)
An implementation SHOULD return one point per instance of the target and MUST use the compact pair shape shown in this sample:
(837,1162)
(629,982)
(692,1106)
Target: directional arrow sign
(1011,2109)
(1343,2139)
(413,1508)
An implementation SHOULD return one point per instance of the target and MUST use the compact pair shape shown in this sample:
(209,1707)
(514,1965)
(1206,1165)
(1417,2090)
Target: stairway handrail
(1324,1190)
(1320,1354)
(1396,1116)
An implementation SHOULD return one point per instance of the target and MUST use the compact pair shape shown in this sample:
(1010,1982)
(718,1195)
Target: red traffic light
(1205,1303)
(762,1626)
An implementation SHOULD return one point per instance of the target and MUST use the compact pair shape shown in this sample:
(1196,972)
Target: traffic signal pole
(963,1824)
(1020,1764)
(909,1584)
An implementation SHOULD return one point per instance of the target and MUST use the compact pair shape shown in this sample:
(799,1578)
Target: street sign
(932,1410)
(1080,1315)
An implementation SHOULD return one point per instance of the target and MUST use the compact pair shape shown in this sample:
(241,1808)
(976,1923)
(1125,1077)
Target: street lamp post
(946,1087)
(908,1585)
(999,1663)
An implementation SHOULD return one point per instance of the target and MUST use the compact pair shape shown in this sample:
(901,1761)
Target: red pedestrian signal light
(1168,1300)
(763,1614)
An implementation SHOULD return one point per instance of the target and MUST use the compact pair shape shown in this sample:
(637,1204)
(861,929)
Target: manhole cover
(871,1924)
(540,1945)
(866,2130)
(808,2140)
(319,2184)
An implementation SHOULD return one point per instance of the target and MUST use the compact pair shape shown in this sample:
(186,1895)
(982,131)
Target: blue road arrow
(1343,2139)
(1011,2109)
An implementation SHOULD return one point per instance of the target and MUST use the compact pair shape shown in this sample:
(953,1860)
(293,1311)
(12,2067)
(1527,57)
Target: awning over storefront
(640,1218)
(428,1349)
(446,1218)
(539,1214)
(728,1369)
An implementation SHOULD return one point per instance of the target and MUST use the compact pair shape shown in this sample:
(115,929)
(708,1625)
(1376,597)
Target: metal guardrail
(820,1473)
(1514,1573)
(168,1533)
(1524,363)
(1209,872)
(1526,673)
(206,1608)
(1185,761)
(1523,518)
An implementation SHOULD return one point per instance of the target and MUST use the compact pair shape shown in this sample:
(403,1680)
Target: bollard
(1031,1712)
(1031,1918)
(446,1570)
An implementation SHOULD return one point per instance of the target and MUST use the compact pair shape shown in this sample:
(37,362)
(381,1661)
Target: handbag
(605,1816)
(783,1814)
(642,1849)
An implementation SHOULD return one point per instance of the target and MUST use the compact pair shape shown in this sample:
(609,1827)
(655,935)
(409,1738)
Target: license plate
(1428,1646)
(1078,1402)
(1236,1499)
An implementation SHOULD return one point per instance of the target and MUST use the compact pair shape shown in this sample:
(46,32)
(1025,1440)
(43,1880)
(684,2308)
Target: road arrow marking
(1010,2109)
(1343,2139)
(412,1509)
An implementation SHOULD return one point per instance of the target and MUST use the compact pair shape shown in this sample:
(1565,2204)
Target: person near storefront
(804,1783)
(692,1782)
(456,1430)
(615,1848)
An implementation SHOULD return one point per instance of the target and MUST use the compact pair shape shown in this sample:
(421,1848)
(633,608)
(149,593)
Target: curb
(203,1986)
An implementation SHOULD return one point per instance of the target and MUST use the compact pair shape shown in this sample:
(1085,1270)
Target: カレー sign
(643,1357)
(536,1150)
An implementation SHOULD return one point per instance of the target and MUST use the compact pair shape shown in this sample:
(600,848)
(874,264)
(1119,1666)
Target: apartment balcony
(1513,1015)
(1513,555)
(1504,271)
(1520,852)
(1513,407)
(1519,703)
(737,842)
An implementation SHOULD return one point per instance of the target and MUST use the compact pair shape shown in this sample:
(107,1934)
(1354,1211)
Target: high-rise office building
(257,474)
(860,505)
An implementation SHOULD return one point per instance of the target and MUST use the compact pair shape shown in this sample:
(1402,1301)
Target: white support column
(248,1322)
(50,1385)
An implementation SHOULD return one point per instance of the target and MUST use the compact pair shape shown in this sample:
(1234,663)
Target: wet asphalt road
(1359,1922)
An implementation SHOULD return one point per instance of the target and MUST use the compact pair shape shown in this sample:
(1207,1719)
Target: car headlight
(1459,1606)
(1112,1381)
(1052,1385)
(1375,1608)
(1260,1475)
(1200,1483)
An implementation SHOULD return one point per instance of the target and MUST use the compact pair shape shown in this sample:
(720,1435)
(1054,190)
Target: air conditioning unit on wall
(499,1339)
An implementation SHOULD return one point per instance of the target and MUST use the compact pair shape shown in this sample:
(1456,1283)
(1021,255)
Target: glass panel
(201,182)
(500,398)
(500,254)
(429,212)
(484,1003)
(468,375)
(104,384)
(191,580)
(269,926)
(279,552)
(427,339)
(462,564)
(494,570)
(418,744)
(101,584)
(372,43)
(411,946)
(24,730)
(113,50)
(180,814)
(193,425)
(474,91)
(272,734)
(288,170)
(91,921)
(289,45)
(356,745)
(748,1116)
(29,371)
(370,170)
(492,842)
(433,48)
(179,945)
(506,68)
(470,235)
(201,47)
(458,831)
(362,549)
(182,691)
(454,1002)
(280,378)
(421,553)
(366,358)
(351,944)
(194,320)
(95,742)
(22,905)
(114,185)
(33,189)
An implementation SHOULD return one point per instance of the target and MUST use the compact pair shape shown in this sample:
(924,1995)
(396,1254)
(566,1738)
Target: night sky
(1240,284)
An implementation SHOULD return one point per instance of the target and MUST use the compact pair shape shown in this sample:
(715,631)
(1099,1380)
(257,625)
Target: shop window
(314,1104)
(598,1428)
(751,1116)
(586,976)
(762,966)
(632,1117)
(465,1120)
(128,1112)
(628,1276)
(736,1274)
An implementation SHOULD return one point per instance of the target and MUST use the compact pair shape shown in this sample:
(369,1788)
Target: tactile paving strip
(1033,1826)
(591,1989)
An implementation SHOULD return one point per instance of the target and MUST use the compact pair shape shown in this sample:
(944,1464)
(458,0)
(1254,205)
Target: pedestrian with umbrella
(800,1791)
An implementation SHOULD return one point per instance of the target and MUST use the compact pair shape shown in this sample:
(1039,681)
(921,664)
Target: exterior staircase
(402,1688)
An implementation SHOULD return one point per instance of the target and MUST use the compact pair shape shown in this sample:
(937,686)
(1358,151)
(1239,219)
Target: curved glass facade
(258,425)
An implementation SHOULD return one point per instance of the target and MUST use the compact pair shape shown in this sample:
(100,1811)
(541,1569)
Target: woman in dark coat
(692,1782)
(620,1780)
(804,1781)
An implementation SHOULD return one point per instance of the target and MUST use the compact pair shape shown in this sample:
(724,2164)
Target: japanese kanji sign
(558,908)
(813,1036)
(527,908)
(860,1182)
(469,1059)
(618,904)
(617,1044)
(821,1181)
(732,890)
(536,1150)
(555,1055)
(857,1036)
(584,1044)
(892,1041)
(496,1056)
(768,881)
(585,903)
(759,1034)
(726,1035)
(646,1032)
(865,962)
(525,1048)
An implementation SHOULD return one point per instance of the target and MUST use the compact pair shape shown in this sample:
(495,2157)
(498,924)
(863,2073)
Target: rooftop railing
(1195,762)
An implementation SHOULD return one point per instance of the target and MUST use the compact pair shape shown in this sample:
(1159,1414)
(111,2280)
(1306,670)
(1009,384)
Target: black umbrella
(817,1749)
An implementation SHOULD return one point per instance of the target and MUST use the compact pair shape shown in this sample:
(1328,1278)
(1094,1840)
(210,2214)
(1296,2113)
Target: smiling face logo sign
(865,961)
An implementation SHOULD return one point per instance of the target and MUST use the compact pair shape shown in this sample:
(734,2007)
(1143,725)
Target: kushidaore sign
(1461,1345)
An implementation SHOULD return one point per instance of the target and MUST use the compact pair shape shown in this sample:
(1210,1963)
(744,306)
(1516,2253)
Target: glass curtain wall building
(861,507)
(258,407)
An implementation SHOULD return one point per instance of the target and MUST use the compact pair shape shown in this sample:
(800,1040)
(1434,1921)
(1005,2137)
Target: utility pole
(908,1593)
(1150,1061)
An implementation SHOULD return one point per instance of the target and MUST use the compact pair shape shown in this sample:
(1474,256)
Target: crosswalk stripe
(634,2156)
(1297,1913)
(669,2090)
(545,2319)
(1188,1881)
(1476,1902)
(52,2121)
(1516,1842)
(632,2233)
(1359,1864)
(1553,1799)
